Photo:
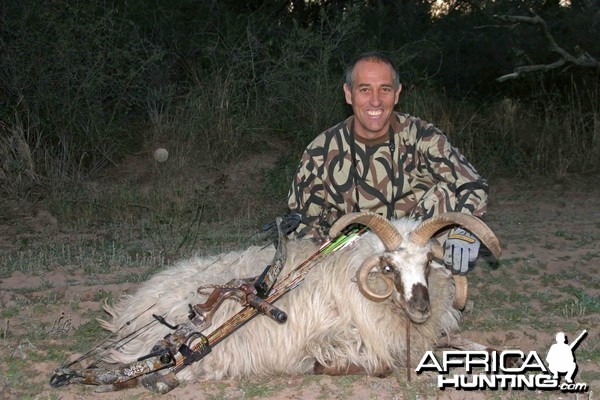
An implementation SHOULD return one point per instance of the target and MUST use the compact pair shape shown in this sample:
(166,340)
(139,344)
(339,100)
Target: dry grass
(56,269)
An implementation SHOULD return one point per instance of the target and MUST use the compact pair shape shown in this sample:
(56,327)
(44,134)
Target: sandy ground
(551,238)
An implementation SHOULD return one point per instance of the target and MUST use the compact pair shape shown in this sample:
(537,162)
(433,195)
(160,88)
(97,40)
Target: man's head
(372,88)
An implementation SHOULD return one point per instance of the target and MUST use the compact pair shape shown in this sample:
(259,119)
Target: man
(382,161)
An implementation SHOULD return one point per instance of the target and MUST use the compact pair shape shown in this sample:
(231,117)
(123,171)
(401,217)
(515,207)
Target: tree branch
(581,59)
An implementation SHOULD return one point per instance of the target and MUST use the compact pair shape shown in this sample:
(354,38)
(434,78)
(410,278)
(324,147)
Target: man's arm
(442,163)
(464,190)
(306,197)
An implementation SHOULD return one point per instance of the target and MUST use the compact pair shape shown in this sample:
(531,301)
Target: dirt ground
(546,281)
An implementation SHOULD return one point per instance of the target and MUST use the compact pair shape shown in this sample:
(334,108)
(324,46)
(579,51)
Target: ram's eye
(387,269)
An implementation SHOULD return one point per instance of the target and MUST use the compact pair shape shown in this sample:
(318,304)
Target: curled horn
(428,228)
(362,278)
(389,236)
(385,231)
(425,231)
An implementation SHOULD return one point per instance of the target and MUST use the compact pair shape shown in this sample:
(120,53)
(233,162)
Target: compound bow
(187,344)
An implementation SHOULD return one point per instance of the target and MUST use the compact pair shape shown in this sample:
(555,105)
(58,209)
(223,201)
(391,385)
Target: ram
(349,316)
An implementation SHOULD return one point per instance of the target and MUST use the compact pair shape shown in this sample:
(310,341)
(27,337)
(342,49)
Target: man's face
(372,98)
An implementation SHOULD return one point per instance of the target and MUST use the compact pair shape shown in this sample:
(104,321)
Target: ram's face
(401,276)
(410,283)
(401,272)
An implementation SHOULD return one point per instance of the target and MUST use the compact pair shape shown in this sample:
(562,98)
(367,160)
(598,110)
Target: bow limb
(116,375)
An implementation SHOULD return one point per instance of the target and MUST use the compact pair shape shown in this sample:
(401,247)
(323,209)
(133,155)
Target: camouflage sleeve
(453,179)
(307,196)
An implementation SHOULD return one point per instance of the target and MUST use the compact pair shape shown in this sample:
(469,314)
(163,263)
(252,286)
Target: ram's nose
(418,308)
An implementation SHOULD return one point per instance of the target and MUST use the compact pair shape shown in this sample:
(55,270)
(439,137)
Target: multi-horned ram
(349,316)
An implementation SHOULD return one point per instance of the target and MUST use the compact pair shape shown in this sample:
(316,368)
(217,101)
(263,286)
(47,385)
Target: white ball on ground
(161,155)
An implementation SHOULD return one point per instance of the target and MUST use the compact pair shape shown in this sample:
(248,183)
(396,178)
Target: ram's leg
(320,369)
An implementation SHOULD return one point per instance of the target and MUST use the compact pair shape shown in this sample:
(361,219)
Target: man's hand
(460,249)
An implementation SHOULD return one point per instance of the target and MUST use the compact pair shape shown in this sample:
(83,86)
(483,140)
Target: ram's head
(404,266)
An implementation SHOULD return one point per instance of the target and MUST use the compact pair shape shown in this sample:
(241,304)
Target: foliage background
(86,83)
(87,86)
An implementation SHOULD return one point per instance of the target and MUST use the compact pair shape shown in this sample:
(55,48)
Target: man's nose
(375,100)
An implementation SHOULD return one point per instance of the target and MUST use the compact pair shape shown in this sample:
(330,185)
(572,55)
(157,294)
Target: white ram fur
(329,321)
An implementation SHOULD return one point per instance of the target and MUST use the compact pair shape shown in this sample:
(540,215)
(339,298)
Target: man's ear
(398,93)
(348,94)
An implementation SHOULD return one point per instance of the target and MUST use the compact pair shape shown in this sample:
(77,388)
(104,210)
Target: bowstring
(123,341)
(102,346)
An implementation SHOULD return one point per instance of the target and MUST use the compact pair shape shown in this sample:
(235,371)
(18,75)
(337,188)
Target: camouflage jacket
(414,171)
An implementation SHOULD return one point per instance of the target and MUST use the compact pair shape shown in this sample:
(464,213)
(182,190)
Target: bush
(75,74)
(85,84)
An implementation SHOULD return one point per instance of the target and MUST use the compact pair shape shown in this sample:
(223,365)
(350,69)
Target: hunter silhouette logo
(507,369)
(560,357)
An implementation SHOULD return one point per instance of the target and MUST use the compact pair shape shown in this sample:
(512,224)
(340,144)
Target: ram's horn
(385,231)
(428,228)
(362,280)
